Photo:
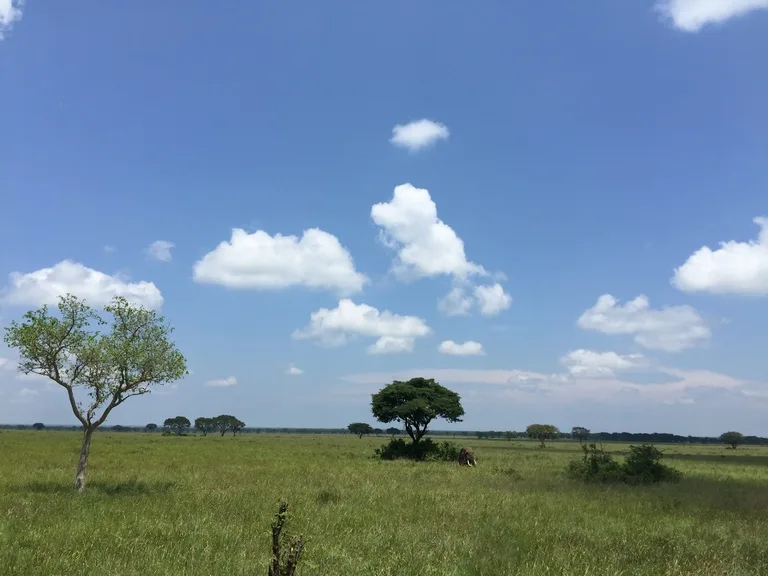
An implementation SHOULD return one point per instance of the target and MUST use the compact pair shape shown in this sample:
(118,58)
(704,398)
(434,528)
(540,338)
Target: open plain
(197,505)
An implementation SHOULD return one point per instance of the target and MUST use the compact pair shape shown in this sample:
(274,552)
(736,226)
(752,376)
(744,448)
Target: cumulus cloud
(672,329)
(692,15)
(10,12)
(734,268)
(426,246)
(44,286)
(222,382)
(589,363)
(468,348)
(294,371)
(455,303)
(492,299)
(391,345)
(334,327)
(160,250)
(418,134)
(261,261)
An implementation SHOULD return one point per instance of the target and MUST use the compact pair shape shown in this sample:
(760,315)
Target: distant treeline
(645,438)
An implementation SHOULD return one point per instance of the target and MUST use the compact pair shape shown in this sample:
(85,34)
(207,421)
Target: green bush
(427,449)
(642,466)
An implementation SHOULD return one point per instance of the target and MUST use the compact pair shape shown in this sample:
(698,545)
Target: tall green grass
(203,506)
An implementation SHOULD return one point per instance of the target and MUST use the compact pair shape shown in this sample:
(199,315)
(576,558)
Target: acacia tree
(580,433)
(416,403)
(205,425)
(542,432)
(133,355)
(178,425)
(360,429)
(225,423)
(733,439)
(151,427)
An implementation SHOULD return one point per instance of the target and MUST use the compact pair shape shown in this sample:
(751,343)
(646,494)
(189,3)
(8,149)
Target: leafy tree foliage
(204,425)
(543,432)
(74,351)
(178,425)
(360,429)
(642,466)
(151,427)
(392,431)
(38,426)
(416,403)
(732,439)
(225,423)
(580,433)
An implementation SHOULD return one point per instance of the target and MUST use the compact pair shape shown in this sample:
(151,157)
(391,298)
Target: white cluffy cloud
(44,286)
(334,327)
(692,15)
(734,268)
(418,134)
(160,250)
(10,12)
(591,364)
(426,246)
(491,300)
(671,329)
(222,382)
(261,261)
(468,348)
(294,371)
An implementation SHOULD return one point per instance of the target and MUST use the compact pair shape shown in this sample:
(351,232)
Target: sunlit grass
(171,506)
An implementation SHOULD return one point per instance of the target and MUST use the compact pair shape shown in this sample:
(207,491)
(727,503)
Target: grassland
(202,506)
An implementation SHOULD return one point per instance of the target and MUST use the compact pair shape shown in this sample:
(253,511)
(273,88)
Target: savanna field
(204,505)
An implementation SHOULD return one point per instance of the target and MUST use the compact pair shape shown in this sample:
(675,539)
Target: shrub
(642,466)
(427,449)
(595,466)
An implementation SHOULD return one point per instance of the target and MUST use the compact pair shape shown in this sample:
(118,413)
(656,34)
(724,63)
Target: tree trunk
(82,464)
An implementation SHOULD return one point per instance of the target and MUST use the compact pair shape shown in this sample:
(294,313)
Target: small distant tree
(151,427)
(360,429)
(76,352)
(543,432)
(416,403)
(378,431)
(178,425)
(204,425)
(38,426)
(392,431)
(732,439)
(580,433)
(225,423)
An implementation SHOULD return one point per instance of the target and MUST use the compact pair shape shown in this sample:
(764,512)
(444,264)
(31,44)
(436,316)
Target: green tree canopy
(416,403)
(542,432)
(177,425)
(151,427)
(732,439)
(580,433)
(204,425)
(392,431)
(110,365)
(38,426)
(360,429)
(225,423)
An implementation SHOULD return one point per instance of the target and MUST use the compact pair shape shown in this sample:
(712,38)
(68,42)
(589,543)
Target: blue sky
(552,209)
